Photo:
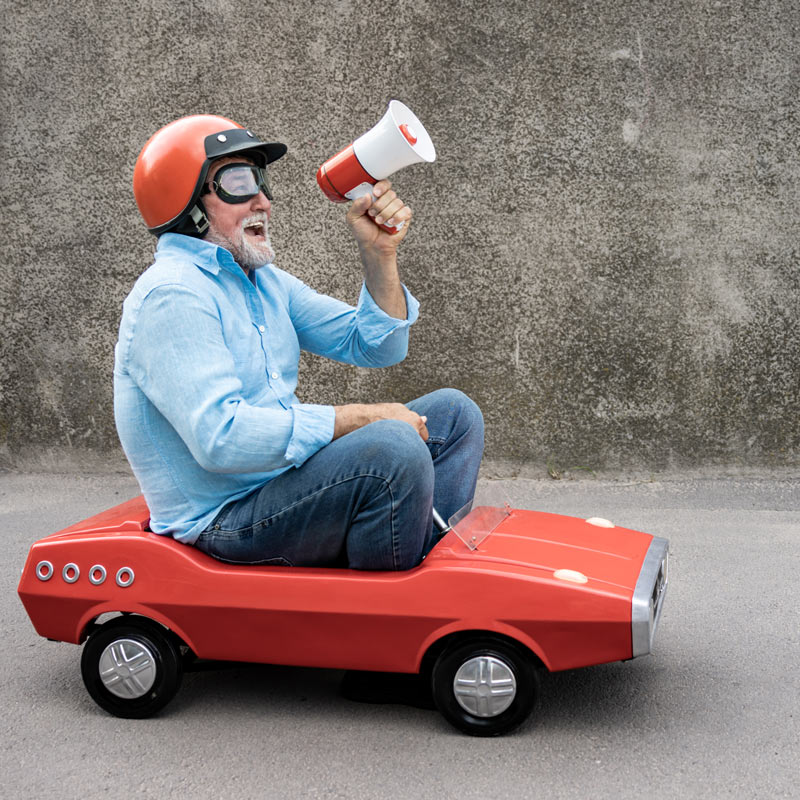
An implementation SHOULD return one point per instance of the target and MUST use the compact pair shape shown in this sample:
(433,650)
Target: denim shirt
(206,369)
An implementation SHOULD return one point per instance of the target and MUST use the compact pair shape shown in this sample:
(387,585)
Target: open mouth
(254,229)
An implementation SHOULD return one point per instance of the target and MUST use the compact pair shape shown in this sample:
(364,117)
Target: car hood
(569,547)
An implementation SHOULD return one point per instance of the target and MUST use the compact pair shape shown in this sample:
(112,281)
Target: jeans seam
(296,503)
(435,445)
(212,536)
(264,562)
(387,483)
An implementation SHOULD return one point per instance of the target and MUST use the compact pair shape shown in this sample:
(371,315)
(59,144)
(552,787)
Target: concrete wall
(606,250)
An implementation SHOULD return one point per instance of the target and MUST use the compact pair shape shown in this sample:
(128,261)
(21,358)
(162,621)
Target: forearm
(350,418)
(382,278)
(356,415)
(237,437)
(378,248)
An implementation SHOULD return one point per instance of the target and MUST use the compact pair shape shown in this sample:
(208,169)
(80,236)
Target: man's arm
(378,251)
(178,357)
(376,333)
(356,415)
(365,335)
(378,248)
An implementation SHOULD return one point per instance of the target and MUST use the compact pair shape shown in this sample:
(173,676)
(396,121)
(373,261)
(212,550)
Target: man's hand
(351,417)
(383,206)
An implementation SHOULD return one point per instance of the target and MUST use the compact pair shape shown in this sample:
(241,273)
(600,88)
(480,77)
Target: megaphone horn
(397,141)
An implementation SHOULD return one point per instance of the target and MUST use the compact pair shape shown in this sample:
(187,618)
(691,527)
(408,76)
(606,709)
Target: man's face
(241,228)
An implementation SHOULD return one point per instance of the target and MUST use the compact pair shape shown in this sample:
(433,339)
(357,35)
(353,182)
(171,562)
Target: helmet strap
(195,223)
(199,218)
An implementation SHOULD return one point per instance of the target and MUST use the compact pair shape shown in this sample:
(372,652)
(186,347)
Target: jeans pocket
(239,547)
(219,521)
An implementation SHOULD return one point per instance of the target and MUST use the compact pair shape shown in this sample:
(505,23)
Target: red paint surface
(350,619)
(341,173)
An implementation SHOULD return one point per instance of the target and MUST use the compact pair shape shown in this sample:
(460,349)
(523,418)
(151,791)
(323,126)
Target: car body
(542,589)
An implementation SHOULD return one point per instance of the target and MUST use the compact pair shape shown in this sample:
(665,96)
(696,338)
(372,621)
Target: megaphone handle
(366,188)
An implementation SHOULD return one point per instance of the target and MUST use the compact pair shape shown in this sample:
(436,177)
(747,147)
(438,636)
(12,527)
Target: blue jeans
(363,501)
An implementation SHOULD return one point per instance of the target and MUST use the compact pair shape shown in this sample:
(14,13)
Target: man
(206,368)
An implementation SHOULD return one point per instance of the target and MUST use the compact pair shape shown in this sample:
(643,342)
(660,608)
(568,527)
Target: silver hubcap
(485,686)
(127,669)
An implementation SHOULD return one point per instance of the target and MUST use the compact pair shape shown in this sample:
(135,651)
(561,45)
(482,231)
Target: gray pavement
(714,713)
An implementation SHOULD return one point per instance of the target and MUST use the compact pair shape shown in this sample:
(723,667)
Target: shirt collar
(205,255)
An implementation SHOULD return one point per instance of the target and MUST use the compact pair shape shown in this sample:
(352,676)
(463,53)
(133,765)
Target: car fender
(481,626)
(84,625)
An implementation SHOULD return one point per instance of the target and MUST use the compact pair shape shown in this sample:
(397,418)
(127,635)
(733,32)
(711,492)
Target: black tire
(142,650)
(514,674)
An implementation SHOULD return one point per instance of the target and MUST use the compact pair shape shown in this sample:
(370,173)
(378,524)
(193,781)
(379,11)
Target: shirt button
(261,328)
(275,376)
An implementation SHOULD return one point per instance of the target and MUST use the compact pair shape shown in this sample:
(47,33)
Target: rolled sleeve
(312,429)
(365,335)
(375,325)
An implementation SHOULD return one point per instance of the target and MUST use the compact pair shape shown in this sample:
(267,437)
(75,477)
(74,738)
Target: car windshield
(473,525)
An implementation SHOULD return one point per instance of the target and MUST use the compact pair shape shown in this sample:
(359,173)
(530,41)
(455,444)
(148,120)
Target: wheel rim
(484,686)
(127,669)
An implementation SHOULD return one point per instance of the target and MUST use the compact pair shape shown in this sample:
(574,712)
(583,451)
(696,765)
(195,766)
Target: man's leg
(455,425)
(363,501)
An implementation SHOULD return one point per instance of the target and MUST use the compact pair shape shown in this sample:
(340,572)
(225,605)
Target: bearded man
(228,459)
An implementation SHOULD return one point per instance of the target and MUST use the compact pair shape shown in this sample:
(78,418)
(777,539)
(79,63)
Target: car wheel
(485,687)
(131,667)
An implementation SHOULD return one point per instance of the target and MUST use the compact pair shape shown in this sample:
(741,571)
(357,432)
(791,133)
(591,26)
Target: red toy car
(503,594)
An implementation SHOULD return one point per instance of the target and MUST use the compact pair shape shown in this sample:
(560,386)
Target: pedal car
(504,594)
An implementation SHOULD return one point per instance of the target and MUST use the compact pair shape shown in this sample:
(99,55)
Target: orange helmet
(172,168)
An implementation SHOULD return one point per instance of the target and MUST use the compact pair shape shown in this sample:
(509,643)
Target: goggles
(238,183)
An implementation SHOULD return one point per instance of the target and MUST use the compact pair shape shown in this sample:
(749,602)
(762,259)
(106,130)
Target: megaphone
(397,141)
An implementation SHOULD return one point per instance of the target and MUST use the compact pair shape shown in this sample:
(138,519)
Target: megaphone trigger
(361,190)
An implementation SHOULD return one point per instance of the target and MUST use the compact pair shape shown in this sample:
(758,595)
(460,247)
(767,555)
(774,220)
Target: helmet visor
(238,183)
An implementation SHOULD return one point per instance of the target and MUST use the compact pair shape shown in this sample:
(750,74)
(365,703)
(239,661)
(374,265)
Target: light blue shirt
(206,369)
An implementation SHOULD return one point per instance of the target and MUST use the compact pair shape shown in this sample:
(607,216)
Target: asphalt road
(714,713)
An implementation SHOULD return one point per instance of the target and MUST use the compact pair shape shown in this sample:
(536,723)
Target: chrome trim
(125,582)
(648,596)
(97,568)
(484,686)
(127,669)
(440,523)
(44,570)
(75,568)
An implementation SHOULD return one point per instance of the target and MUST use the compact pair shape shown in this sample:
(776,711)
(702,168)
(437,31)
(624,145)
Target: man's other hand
(356,415)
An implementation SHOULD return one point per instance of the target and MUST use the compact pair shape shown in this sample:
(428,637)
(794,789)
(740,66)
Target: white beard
(248,253)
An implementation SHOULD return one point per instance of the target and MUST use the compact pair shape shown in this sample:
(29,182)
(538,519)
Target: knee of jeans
(399,449)
(464,409)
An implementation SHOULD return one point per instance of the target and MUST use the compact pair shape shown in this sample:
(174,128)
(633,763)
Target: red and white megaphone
(397,141)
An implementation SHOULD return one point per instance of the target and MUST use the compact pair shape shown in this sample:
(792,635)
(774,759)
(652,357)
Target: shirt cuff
(374,324)
(312,429)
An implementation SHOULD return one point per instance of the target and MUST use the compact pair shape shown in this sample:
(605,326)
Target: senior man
(228,458)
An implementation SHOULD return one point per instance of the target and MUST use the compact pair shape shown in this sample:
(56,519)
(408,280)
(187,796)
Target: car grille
(648,596)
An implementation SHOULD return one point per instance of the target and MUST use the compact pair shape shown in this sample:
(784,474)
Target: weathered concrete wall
(606,250)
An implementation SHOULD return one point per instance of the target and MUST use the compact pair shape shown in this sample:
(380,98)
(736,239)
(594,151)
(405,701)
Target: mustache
(259,216)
